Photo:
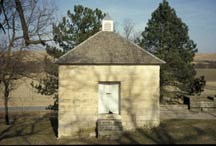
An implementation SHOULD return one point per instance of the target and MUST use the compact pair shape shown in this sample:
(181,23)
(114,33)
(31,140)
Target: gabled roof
(108,48)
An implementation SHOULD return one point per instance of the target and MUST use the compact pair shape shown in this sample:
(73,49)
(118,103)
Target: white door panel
(108,98)
(102,108)
(114,99)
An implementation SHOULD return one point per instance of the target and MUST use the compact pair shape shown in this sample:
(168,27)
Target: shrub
(198,85)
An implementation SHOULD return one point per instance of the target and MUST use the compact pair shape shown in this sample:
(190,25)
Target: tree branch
(23,21)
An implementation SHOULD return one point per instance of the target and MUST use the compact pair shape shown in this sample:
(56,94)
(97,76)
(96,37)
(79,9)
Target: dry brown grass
(41,130)
(210,76)
(205,57)
(24,94)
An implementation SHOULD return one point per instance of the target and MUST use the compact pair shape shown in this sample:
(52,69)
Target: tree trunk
(6,96)
(23,21)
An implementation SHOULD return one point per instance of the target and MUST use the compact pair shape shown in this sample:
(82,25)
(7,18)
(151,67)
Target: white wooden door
(102,103)
(108,98)
(114,98)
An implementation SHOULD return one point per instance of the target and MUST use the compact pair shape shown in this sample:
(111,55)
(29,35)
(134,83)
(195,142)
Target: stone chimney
(107,23)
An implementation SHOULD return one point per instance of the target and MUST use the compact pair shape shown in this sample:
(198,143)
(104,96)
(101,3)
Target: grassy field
(210,74)
(25,95)
(205,56)
(41,130)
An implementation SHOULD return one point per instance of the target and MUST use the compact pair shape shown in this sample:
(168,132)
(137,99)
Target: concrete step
(109,128)
(108,122)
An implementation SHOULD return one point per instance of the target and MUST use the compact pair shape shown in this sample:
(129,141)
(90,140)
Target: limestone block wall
(78,95)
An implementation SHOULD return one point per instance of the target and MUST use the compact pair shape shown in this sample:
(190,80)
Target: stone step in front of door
(109,128)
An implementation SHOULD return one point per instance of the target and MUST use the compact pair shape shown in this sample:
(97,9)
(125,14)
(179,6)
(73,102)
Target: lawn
(41,130)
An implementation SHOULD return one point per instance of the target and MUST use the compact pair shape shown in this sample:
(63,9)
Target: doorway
(109,98)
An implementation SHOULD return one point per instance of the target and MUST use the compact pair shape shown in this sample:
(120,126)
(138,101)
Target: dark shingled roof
(108,48)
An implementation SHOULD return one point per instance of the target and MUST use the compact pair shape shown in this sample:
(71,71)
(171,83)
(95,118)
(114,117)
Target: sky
(198,15)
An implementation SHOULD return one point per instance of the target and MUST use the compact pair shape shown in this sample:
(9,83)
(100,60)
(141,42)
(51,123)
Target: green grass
(40,131)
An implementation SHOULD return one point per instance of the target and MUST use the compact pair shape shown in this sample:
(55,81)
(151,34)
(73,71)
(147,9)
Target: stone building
(107,79)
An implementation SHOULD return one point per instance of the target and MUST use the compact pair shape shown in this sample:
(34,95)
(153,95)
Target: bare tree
(115,27)
(136,36)
(128,27)
(11,69)
(32,19)
(25,23)
(39,17)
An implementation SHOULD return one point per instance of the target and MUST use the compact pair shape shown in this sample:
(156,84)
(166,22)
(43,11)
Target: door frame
(119,96)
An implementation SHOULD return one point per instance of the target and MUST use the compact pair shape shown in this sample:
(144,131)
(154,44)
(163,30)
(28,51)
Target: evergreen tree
(76,27)
(166,36)
(70,32)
